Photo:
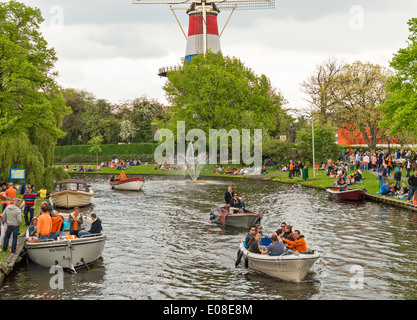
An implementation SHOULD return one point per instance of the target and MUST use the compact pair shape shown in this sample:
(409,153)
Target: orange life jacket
(56,224)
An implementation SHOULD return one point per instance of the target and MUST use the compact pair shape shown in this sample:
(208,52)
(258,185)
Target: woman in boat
(32,227)
(288,234)
(253,243)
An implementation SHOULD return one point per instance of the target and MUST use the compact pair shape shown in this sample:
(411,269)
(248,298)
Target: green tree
(324,143)
(218,92)
(31,105)
(74,123)
(359,92)
(95,148)
(400,108)
(143,112)
(278,151)
(28,93)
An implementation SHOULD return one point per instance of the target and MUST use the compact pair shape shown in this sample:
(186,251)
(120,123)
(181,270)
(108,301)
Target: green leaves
(217,92)
(401,106)
(31,105)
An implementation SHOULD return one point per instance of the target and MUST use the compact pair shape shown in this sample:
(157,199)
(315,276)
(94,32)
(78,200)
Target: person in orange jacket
(299,244)
(44,224)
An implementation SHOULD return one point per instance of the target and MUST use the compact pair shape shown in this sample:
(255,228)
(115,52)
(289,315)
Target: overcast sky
(114,48)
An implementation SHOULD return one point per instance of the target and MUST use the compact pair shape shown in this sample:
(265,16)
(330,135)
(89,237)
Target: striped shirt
(29,198)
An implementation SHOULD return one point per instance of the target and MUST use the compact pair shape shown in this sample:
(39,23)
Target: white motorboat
(132,184)
(67,252)
(291,267)
(71,193)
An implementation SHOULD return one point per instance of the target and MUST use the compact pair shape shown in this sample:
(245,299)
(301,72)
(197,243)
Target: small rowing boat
(343,193)
(290,267)
(132,184)
(237,220)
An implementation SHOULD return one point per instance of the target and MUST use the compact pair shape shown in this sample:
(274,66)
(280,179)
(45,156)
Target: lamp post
(388,140)
(314,158)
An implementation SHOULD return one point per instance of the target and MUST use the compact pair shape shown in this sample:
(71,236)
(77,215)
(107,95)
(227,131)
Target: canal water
(162,245)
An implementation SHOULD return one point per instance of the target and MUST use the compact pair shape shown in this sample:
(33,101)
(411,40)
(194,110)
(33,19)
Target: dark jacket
(412,181)
(397,176)
(228,196)
(235,203)
(96,226)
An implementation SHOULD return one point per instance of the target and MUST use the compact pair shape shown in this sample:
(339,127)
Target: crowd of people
(47,224)
(283,241)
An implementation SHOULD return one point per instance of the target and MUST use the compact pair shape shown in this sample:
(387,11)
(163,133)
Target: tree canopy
(31,105)
(218,92)
(400,108)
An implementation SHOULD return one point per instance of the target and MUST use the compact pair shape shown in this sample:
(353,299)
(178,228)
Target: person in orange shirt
(291,167)
(75,220)
(44,224)
(299,244)
(11,192)
(122,176)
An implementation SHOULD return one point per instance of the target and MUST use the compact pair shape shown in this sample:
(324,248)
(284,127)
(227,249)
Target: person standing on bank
(12,215)
(30,203)
(412,182)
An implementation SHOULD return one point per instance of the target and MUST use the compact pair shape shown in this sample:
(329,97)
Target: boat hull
(68,253)
(346,194)
(236,220)
(293,267)
(70,199)
(133,184)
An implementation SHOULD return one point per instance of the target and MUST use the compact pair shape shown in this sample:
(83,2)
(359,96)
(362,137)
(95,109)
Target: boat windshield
(73,186)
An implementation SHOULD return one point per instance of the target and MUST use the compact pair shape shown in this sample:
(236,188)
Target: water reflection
(162,245)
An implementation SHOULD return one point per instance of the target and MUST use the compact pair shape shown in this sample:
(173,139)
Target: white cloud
(114,48)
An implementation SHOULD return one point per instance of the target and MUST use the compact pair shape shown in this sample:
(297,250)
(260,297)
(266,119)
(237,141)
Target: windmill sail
(203,32)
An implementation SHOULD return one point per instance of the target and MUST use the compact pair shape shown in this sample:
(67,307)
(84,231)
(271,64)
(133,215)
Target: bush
(123,151)
(278,151)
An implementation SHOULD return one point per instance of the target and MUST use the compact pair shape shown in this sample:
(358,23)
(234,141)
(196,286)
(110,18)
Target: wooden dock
(8,263)
(392,201)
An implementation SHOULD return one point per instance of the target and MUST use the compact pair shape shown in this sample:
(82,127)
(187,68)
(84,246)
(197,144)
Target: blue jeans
(42,238)
(11,230)
(411,192)
(82,233)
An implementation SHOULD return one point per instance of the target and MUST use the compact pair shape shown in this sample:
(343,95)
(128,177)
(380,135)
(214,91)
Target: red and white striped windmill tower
(203,32)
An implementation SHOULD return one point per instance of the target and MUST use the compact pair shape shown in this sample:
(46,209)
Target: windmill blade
(223,4)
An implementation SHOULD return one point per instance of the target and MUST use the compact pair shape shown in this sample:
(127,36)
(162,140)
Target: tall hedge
(107,149)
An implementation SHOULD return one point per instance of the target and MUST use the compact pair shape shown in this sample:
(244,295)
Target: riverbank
(9,260)
(317,179)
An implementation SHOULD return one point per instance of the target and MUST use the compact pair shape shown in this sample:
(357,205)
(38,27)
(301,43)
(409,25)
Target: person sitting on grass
(385,189)
(403,193)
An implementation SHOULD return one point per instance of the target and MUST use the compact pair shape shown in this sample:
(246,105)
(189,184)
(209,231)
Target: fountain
(192,164)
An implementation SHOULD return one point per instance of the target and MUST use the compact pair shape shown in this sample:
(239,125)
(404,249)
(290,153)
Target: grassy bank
(370,181)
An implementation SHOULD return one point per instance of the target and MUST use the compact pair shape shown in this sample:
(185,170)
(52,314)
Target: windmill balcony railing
(162,72)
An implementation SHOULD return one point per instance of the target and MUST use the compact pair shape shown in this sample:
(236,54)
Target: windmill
(203,32)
